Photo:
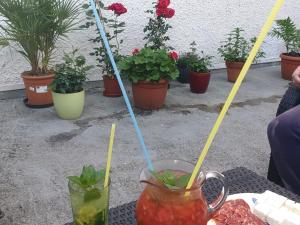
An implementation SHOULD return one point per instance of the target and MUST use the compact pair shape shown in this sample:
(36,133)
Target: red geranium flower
(165,12)
(161,11)
(163,3)
(174,56)
(170,13)
(135,51)
(118,8)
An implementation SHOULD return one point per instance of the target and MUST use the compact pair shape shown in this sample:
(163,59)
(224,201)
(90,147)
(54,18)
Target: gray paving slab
(38,150)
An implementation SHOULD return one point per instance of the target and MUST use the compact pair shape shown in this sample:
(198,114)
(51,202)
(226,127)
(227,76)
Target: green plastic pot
(69,106)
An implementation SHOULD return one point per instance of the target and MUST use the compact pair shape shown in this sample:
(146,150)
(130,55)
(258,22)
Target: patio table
(240,180)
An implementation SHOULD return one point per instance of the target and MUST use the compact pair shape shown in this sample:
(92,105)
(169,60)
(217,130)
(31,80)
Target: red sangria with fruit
(166,201)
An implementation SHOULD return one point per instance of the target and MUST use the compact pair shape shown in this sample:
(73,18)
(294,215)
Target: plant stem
(116,30)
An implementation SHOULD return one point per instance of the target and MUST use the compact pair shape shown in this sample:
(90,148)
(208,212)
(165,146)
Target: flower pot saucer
(25,101)
(111,95)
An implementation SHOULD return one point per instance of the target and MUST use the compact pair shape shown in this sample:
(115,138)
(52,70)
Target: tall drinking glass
(90,206)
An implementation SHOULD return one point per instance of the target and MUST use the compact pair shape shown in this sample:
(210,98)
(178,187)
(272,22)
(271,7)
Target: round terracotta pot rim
(229,62)
(110,77)
(287,57)
(37,77)
(162,81)
(68,93)
(201,73)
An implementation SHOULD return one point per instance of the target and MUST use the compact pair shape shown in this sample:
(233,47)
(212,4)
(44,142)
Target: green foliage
(89,177)
(182,62)
(156,31)
(89,181)
(36,26)
(170,180)
(149,65)
(113,28)
(198,63)
(70,75)
(287,31)
(236,48)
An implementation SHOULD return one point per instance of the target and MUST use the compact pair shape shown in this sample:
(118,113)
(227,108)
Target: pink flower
(118,8)
(174,55)
(135,51)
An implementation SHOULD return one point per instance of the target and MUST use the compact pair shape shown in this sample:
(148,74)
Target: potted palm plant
(287,31)
(199,72)
(150,70)
(34,27)
(67,86)
(235,51)
(113,28)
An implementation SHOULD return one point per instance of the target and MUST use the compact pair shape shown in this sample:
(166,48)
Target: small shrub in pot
(235,51)
(150,70)
(67,86)
(113,28)
(287,31)
(199,67)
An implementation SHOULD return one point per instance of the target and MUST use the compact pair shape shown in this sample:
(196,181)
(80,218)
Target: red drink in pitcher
(160,205)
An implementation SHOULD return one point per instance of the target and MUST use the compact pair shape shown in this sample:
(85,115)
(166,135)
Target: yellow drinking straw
(109,155)
(255,49)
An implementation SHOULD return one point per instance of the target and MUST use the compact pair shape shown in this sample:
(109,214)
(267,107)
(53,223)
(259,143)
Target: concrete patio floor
(38,150)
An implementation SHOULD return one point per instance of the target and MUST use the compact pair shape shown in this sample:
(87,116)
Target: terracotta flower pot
(199,82)
(233,70)
(36,89)
(149,95)
(288,65)
(111,87)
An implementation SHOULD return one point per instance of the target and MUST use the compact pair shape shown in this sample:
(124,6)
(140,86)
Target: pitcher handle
(223,196)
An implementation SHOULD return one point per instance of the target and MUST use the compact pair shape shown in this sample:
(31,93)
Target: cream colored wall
(205,21)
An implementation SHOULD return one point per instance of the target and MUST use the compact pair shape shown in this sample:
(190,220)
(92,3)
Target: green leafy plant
(182,62)
(171,180)
(157,28)
(36,26)
(89,181)
(149,65)
(237,48)
(198,63)
(113,29)
(287,31)
(70,75)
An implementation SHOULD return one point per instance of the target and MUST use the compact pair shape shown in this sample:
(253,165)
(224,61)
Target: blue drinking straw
(117,73)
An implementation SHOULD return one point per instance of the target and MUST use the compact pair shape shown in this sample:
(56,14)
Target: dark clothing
(284,138)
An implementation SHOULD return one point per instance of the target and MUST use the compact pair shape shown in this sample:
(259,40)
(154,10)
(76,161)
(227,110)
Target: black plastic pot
(183,75)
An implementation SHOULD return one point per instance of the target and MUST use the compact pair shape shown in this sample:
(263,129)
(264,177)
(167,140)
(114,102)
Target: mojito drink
(89,201)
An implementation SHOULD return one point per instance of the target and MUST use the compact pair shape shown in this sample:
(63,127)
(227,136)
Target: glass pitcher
(162,206)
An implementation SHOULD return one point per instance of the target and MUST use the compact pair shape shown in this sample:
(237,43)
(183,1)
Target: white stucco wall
(205,21)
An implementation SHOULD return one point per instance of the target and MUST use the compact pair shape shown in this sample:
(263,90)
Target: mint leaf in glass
(89,177)
(93,194)
(171,180)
